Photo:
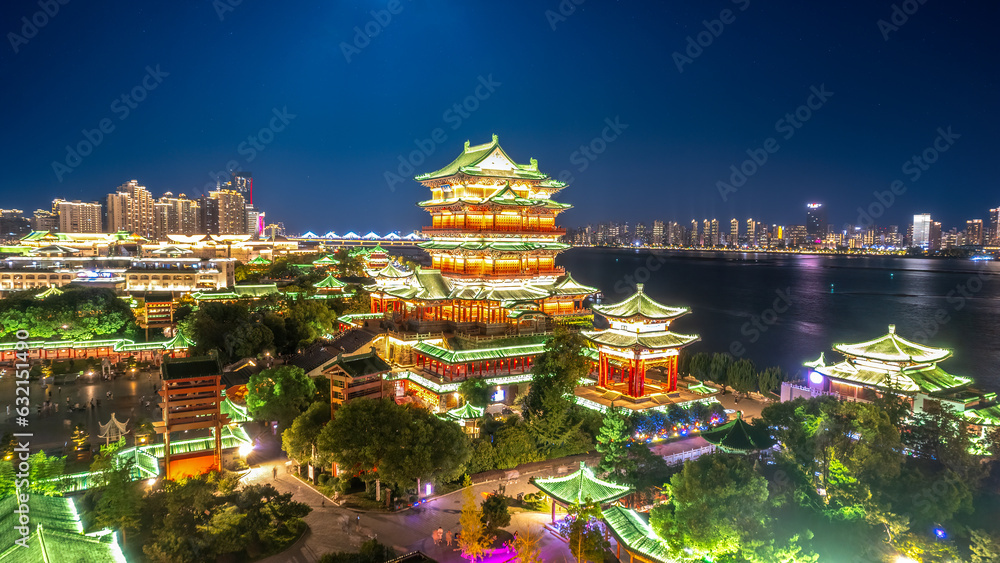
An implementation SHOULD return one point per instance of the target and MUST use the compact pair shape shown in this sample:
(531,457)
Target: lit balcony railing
(556,231)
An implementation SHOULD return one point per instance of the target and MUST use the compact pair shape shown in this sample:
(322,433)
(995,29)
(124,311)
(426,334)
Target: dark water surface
(833,299)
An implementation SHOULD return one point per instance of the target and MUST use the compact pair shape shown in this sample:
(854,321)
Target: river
(783,309)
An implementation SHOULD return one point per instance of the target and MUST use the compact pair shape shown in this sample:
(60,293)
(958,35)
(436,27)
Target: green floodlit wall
(148,457)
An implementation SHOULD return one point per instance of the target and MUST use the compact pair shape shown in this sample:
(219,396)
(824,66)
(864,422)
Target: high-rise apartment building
(45,220)
(935,236)
(974,232)
(734,231)
(13,224)
(816,220)
(994,238)
(131,208)
(694,237)
(179,215)
(714,232)
(921,236)
(658,233)
(77,216)
(224,213)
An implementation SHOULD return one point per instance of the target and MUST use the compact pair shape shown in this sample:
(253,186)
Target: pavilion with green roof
(330,284)
(739,437)
(50,292)
(467,416)
(889,363)
(580,487)
(55,534)
(631,530)
(639,338)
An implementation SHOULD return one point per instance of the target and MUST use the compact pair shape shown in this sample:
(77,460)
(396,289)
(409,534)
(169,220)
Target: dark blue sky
(353,120)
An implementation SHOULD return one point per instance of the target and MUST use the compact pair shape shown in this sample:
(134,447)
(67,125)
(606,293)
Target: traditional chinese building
(191,398)
(493,246)
(893,364)
(638,340)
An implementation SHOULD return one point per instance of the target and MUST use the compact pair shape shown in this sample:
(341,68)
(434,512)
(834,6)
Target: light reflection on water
(835,299)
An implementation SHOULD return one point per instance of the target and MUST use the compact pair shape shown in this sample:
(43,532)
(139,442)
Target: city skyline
(858,105)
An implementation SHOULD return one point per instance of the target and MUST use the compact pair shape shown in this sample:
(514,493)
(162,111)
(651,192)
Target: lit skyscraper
(816,220)
(922,230)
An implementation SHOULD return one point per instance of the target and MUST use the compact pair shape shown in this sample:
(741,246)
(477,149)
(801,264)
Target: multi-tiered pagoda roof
(891,362)
(493,243)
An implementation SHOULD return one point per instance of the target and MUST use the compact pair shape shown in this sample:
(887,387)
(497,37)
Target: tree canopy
(75,314)
(280,393)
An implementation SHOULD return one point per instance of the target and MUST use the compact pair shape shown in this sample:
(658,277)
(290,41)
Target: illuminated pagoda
(493,243)
(580,487)
(893,364)
(638,340)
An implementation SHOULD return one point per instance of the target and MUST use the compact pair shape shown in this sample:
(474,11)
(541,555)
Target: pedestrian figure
(448,537)
(358,523)
(274,472)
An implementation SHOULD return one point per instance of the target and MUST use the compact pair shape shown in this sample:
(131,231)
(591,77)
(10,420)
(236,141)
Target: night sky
(218,79)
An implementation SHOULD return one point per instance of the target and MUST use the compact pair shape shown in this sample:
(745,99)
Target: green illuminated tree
(476,392)
(527,549)
(474,540)
(718,504)
(742,376)
(700,366)
(280,393)
(119,502)
(613,445)
(300,438)
(585,539)
(718,369)
(495,513)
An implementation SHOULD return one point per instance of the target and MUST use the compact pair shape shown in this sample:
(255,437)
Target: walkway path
(332,528)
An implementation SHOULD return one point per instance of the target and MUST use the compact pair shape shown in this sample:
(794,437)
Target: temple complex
(493,243)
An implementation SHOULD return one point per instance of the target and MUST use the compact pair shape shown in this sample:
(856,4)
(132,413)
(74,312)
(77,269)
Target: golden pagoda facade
(493,244)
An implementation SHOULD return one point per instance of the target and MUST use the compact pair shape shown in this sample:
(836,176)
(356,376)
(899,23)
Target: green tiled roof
(451,387)
(255,290)
(329,282)
(580,487)
(326,260)
(928,378)
(453,357)
(471,156)
(642,306)
(57,534)
(739,437)
(637,535)
(893,348)
(260,261)
(362,364)
(566,285)
(466,412)
(183,368)
(391,271)
(652,340)
(985,416)
(52,290)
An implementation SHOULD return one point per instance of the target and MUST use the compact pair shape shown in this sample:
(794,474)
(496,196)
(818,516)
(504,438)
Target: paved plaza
(52,426)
